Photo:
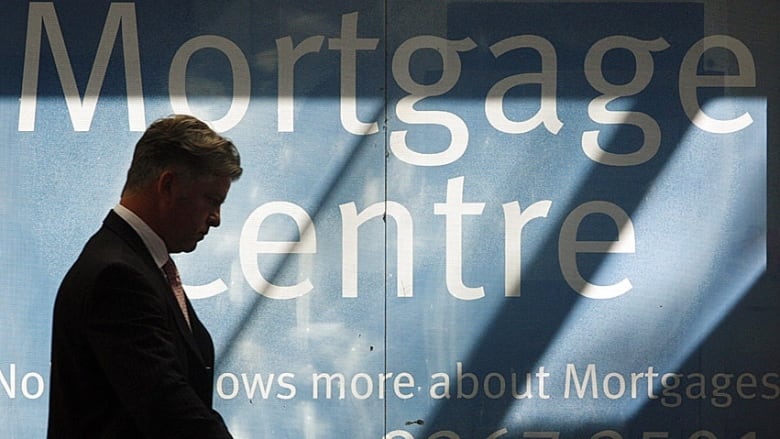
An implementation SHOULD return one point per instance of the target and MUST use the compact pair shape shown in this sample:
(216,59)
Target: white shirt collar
(153,242)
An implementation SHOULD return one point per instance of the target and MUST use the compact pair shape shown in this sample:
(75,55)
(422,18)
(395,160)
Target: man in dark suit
(130,359)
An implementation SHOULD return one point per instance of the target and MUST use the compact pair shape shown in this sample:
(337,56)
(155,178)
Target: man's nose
(214,218)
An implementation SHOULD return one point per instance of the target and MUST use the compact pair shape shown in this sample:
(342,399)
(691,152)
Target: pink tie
(175,282)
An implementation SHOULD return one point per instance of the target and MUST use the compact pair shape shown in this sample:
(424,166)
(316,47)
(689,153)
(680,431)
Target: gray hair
(185,144)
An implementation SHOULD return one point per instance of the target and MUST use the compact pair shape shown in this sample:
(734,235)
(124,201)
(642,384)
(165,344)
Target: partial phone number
(604,434)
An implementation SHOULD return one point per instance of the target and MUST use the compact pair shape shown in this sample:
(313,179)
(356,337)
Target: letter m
(81,110)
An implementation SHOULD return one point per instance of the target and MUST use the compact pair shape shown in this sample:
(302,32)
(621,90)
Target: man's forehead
(213,183)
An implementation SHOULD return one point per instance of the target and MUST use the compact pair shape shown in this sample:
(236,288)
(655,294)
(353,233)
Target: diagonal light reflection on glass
(676,311)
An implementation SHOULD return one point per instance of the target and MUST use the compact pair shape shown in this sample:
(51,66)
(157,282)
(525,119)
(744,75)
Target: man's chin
(185,248)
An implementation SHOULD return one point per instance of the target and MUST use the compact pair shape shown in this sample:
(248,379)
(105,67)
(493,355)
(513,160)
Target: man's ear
(165,184)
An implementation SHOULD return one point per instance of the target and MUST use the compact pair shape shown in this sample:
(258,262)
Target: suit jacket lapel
(122,229)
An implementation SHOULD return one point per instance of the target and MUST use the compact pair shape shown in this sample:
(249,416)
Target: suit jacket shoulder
(124,363)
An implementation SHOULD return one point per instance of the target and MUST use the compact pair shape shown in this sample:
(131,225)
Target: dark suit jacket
(124,364)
